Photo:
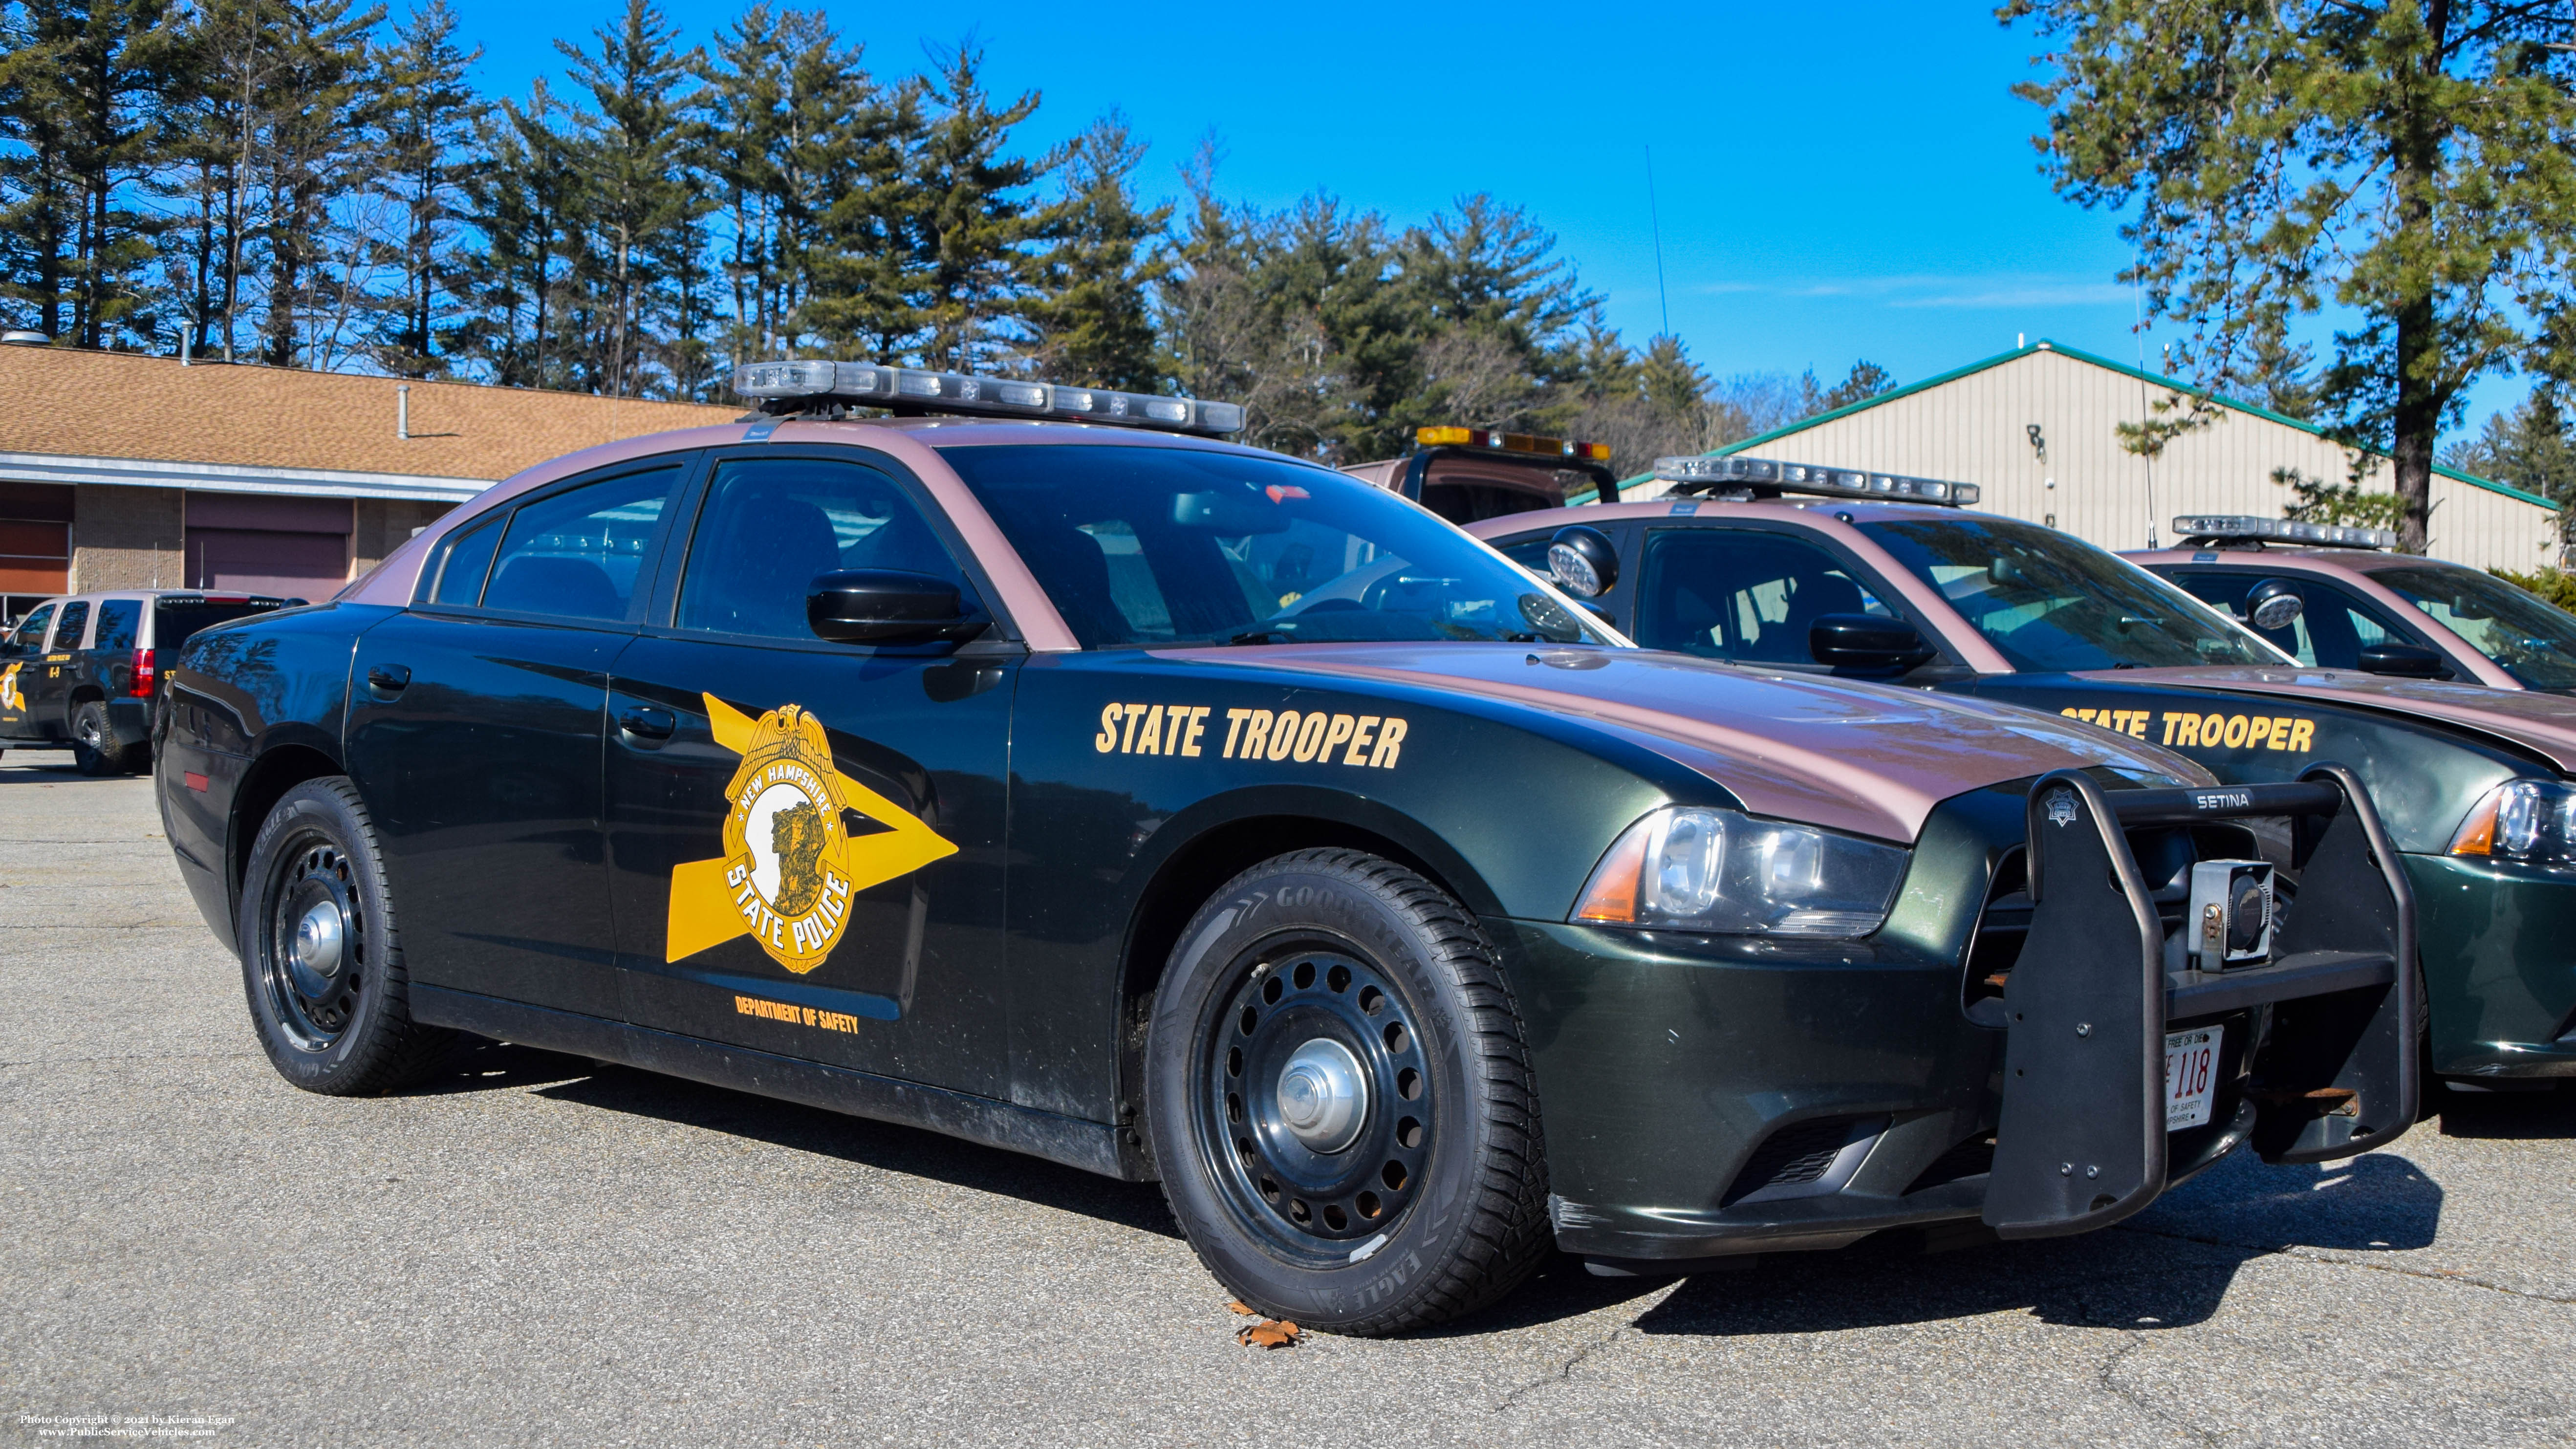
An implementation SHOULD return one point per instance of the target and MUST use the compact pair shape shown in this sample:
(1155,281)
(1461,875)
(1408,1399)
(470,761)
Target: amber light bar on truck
(784,387)
(1533,445)
(1764,478)
(2234,527)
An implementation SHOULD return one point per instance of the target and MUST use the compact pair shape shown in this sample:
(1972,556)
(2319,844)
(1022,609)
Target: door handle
(389,678)
(649,724)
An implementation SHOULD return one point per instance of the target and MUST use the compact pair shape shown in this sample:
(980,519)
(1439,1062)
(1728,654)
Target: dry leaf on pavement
(1268,1333)
(1238,1308)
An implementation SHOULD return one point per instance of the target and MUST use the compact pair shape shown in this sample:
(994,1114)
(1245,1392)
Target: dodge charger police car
(1043,771)
(1841,572)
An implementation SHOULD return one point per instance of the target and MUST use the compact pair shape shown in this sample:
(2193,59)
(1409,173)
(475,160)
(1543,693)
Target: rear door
(475,735)
(807,836)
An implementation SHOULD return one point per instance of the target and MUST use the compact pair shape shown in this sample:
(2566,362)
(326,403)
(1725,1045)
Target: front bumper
(1709,1097)
(2499,946)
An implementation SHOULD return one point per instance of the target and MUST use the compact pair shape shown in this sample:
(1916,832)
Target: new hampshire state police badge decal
(790,864)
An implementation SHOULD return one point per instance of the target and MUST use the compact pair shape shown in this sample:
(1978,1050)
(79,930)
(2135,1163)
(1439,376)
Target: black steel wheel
(321,959)
(1339,1098)
(1317,1089)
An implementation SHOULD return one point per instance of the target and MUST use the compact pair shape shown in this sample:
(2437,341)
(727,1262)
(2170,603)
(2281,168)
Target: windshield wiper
(1263,636)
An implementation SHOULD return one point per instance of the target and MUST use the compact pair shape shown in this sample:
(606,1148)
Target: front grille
(1799,1153)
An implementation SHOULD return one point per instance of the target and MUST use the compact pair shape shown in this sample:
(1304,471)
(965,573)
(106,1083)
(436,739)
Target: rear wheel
(97,747)
(1341,1101)
(322,952)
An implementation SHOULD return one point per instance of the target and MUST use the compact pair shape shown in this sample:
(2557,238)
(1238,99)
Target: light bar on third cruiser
(2282,530)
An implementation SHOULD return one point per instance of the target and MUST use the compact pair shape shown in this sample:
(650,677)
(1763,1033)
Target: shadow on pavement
(494,1066)
(2512,1116)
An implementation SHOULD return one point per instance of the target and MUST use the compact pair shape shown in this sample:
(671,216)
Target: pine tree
(1092,317)
(971,261)
(642,220)
(78,87)
(522,199)
(2411,161)
(428,115)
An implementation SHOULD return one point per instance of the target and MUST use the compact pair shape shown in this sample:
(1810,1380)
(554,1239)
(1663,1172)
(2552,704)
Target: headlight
(1692,869)
(2531,822)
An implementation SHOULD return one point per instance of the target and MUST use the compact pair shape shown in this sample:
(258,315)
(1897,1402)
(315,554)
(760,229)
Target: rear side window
(75,618)
(463,563)
(576,555)
(120,623)
(176,621)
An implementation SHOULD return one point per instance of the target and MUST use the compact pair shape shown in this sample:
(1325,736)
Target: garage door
(296,548)
(35,544)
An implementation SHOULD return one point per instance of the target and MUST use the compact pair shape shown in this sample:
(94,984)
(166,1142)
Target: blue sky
(1835,180)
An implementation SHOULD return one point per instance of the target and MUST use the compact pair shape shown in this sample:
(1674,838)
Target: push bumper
(1706,1098)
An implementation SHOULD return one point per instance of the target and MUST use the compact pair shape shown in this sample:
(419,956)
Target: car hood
(2543,724)
(1863,758)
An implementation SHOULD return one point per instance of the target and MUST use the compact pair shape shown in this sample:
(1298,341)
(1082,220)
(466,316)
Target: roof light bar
(780,385)
(2284,530)
(1765,478)
(1536,445)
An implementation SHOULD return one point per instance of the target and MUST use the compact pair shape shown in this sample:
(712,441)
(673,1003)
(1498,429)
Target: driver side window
(2330,632)
(771,524)
(29,636)
(1748,597)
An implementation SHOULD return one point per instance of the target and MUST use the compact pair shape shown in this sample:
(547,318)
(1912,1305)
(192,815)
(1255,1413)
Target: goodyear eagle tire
(322,951)
(1340,1099)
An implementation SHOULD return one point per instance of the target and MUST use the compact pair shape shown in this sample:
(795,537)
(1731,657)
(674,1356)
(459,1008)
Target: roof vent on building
(24,337)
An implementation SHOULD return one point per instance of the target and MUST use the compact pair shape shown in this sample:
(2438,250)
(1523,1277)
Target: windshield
(2533,641)
(2050,603)
(1160,545)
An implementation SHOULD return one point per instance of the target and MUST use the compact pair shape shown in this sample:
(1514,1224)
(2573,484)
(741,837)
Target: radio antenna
(1654,218)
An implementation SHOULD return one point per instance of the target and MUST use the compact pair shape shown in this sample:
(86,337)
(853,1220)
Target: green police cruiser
(1839,572)
(1035,767)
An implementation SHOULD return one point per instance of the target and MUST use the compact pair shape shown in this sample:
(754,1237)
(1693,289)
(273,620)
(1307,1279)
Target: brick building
(124,471)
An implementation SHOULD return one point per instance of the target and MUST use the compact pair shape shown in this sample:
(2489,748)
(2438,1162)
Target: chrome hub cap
(1323,1096)
(314,955)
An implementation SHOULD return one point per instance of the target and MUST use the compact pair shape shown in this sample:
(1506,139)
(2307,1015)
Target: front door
(807,836)
(47,679)
(474,734)
(22,663)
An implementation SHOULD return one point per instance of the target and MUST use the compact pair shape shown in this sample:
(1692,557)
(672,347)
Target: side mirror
(887,606)
(2273,604)
(2404,661)
(1584,561)
(1866,641)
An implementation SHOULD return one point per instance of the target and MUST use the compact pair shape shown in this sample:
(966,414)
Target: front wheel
(1340,1099)
(322,953)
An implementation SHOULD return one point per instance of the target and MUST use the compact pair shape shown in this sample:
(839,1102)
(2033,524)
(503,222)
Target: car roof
(2350,561)
(1703,510)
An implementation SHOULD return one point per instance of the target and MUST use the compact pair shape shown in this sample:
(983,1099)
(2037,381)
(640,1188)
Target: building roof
(68,415)
(2150,378)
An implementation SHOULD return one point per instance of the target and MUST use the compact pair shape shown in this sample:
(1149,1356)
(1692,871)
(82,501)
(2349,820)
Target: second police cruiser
(1035,767)
(1815,570)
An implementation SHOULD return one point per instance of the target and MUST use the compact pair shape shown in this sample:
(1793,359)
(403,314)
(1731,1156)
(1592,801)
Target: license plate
(2191,1076)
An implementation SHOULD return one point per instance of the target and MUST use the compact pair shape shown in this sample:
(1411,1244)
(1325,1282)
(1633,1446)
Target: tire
(1414,1207)
(345,1031)
(97,748)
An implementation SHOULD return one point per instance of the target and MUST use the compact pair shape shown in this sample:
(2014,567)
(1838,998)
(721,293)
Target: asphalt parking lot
(534,1250)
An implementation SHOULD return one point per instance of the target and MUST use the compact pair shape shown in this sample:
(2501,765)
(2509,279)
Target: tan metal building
(125,471)
(2037,428)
